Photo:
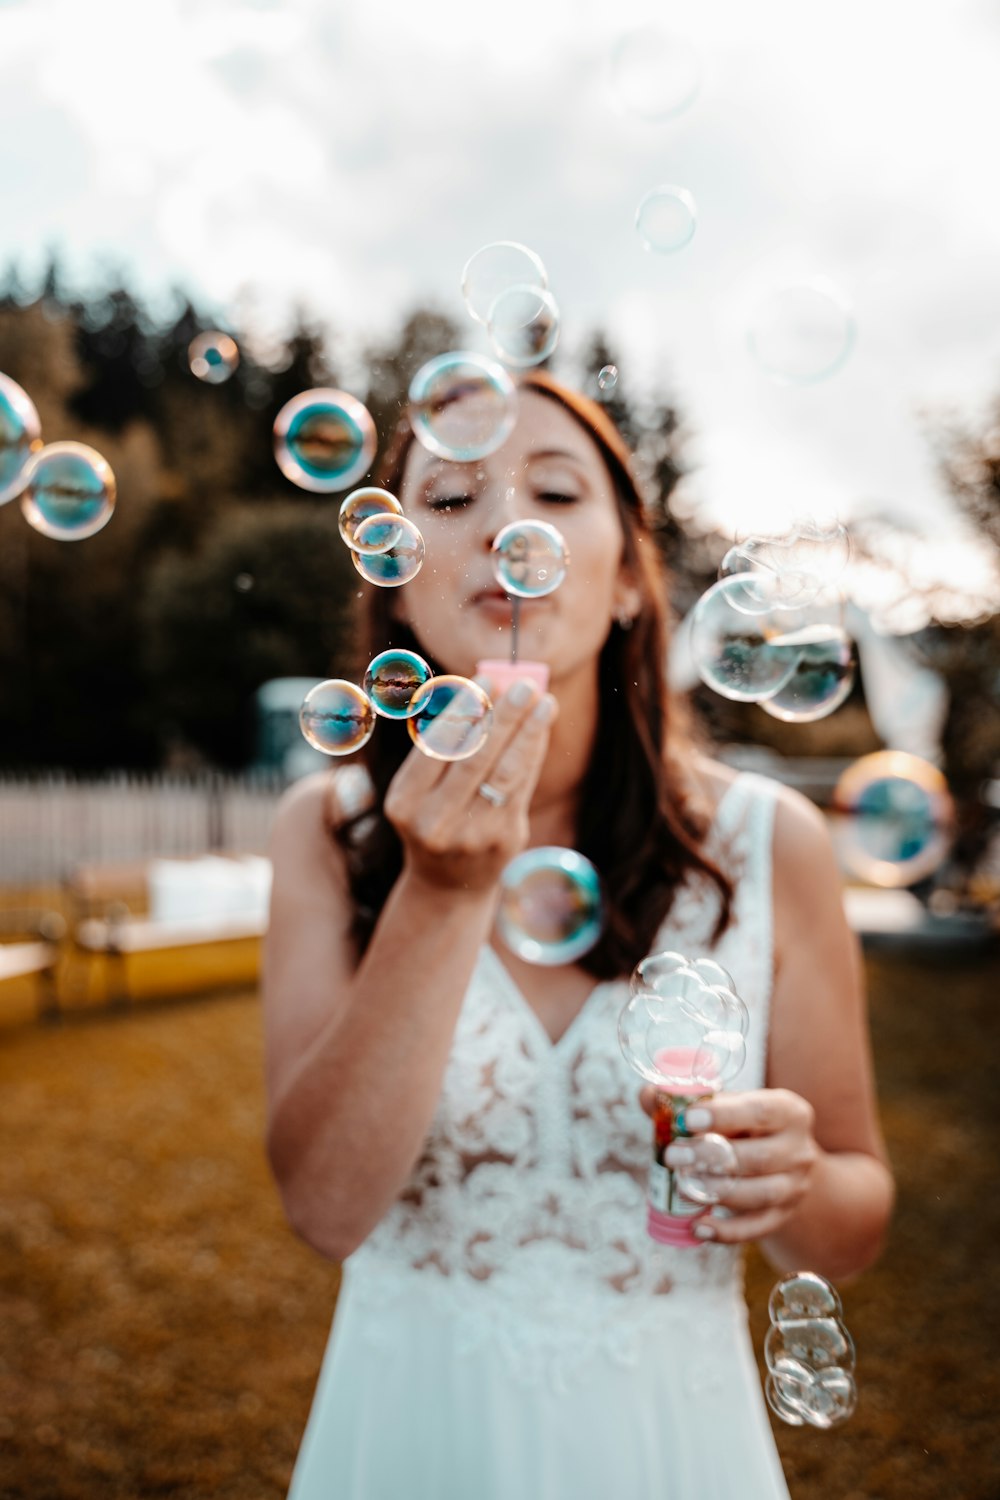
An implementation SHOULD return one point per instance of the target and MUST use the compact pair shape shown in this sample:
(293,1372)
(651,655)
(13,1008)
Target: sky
(348,159)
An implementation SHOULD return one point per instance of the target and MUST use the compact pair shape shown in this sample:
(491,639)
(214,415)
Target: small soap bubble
(324,440)
(495,268)
(714,1171)
(69,491)
(822,677)
(450,718)
(20,436)
(529,558)
(388,550)
(213,357)
(550,910)
(462,406)
(802,333)
(392,679)
(523,325)
(655,74)
(337,717)
(787,1391)
(358,506)
(607,379)
(820,1343)
(704,989)
(893,818)
(803,1295)
(666,219)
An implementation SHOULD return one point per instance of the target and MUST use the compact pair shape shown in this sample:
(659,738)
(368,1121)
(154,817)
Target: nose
(509,502)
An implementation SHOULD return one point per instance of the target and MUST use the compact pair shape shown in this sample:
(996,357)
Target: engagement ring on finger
(494,797)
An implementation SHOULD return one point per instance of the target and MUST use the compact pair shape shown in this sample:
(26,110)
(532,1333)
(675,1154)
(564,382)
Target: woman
(460,1127)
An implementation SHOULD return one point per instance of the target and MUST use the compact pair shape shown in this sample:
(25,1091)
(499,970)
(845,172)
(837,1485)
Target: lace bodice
(526,1210)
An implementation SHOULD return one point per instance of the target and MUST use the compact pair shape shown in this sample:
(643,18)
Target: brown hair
(636,820)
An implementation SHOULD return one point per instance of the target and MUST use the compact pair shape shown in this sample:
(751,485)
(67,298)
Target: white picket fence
(51,824)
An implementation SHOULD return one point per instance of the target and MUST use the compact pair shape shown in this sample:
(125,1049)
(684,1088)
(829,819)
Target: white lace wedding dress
(509,1330)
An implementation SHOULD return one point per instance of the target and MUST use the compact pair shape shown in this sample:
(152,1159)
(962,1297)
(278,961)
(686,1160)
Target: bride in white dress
(459,1128)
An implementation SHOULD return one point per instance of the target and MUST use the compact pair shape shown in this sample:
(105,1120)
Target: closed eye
(448,502)
(557,497)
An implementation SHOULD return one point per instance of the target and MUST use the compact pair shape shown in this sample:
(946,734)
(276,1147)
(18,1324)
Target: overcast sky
(350,158)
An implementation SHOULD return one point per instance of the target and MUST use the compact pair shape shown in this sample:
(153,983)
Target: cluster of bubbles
(213,356)
(67,490)
(505,287)
(683,1029)
(893,818)
(386,547)
(447,717)
(771,629)
(809,1354)
(551,909)
(324,440)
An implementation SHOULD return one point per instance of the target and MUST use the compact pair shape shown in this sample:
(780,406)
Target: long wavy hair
(637,820)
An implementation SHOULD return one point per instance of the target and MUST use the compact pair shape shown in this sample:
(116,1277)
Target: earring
(624,619)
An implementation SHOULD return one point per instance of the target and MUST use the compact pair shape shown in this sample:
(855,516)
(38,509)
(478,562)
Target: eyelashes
(446,503)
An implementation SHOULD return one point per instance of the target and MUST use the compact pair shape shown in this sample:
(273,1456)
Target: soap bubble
(213,357)
(678,1040)
(822,677)
(358,506)
(69,491)
(495,268)
(20,436)
(666,219)
(713,1172)
(529,558)
(391,680)
(450,718)
(893,818)
(804,1294)
(654,73)
(607,378)
(703,989)
(523,325)
(730,629)
(462,406)
(802,333)
(804,561)
(324,440)
(388,550)
(337,717)
(550,909)
(820,1343)
(787,1391)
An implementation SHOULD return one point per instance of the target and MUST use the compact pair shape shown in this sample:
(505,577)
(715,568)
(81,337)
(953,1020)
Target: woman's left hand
(771,1131)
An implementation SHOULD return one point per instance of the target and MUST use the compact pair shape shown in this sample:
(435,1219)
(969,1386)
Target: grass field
(161,1329)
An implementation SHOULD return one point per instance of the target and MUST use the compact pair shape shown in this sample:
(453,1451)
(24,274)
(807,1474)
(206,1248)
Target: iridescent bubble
(69,491)
(655,74)
(391,680)
(822,677)
(324,440)
(550,910)
(529,558)
(802,332)
(523,325)
(804,1294)
(20,436)
(820,1343)
(607,378)
(337,717)
(730,629)
(666,219)
(462,406)
(893,818)
(213,357)
(450,718)
(358,506)
(388,550)
(714,1170)
(495,268)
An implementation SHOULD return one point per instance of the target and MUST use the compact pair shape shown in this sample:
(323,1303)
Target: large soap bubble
(450,718)
(493,269)
(388,549)
(666,219)
(358,506)
(550,909)
(822,677)
(529,558)
(523,325)
(893,818)
(337,717)
(462,406)
(392,679)
(655,74)
(802,332)
(324,440)
(213,357)
(20,436)
(69,491)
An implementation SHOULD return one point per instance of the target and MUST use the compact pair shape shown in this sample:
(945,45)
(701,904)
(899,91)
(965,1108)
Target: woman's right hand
(452,837)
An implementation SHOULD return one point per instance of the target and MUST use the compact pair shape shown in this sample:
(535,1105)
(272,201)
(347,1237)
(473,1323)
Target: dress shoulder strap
(348,792)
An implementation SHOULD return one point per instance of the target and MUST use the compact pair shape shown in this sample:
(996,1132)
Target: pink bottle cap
(502,672)
(669,1229)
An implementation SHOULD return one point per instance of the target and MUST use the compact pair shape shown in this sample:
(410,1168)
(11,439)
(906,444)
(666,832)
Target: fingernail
(703,1230)
(544,710)
(697,1119)
(521,692)
(679,1156)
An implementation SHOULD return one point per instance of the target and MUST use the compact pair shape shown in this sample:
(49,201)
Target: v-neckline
(524,1004)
